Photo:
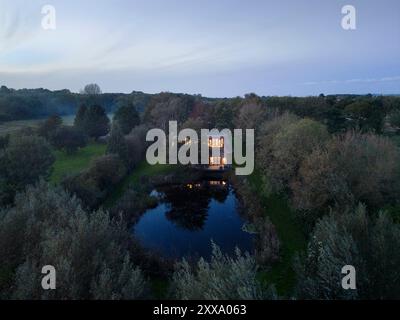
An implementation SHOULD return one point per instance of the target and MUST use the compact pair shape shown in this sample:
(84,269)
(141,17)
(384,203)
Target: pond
(188,217)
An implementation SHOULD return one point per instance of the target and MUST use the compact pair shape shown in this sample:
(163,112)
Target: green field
(12,126)
(67,164)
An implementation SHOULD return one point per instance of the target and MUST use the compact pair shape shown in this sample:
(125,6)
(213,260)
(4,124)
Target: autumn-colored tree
(48,128)
(351,168)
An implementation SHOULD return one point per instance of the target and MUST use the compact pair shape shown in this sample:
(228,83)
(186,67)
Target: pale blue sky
(216,48)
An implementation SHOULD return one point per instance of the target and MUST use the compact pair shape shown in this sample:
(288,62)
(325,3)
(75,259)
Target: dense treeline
(337,112)
(39,103)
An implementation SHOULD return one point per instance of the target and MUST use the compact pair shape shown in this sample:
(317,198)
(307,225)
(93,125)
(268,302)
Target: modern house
(219,152)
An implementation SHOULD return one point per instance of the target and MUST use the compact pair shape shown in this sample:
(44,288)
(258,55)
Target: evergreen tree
(93,121)
(117,143)
(127,117)
(80,118)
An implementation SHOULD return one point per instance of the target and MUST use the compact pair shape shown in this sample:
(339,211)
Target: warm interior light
(216,142)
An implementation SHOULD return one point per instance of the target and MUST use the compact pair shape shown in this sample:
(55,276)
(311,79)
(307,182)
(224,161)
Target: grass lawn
(66,164)
(290,234)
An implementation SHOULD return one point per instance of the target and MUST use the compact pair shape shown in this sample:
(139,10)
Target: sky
(221,48)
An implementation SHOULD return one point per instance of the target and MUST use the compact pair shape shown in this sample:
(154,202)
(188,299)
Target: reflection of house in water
(206,183)
(189,203)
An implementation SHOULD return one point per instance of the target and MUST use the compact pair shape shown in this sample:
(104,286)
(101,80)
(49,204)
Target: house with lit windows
(219,152)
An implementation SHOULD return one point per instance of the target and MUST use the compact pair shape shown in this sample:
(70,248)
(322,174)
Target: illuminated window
(215,160)
(216,142)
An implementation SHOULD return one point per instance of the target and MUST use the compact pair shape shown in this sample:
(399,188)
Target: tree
(96,122)
(394,119)
(165,107)
(285,144)
(88,249)
(91,89)
(351,168)
(224,278)
(351,238)
(223,115)
(117,144)
(127,117)
(136,145)
(368,114)
(69,139)
(80,118)
(50,126)
(23,162)
(250,116)
(4,140)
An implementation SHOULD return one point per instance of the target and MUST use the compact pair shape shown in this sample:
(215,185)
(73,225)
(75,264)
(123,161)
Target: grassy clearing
(143,169)
(67,164)
(290,234)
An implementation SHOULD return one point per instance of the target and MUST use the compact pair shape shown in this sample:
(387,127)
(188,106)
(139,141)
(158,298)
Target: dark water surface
(189,216)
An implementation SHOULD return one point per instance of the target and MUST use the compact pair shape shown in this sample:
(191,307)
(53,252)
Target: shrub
(68,139)
(224,278)
(116,143)
(134,202)
(22,162)
(93,185)
(88,249)
(267,242)
(136,145)
(353,238)
(48,128)
(394,119)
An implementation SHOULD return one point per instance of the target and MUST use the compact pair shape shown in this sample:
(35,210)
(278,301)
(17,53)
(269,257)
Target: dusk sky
(214,48)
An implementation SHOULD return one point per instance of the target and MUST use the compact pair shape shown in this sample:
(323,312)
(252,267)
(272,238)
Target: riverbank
(291,237)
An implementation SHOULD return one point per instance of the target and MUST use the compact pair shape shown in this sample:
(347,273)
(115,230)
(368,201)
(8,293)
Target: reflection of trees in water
(189,204)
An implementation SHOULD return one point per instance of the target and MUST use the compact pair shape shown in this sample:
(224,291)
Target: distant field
(10,126)
(69,164)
